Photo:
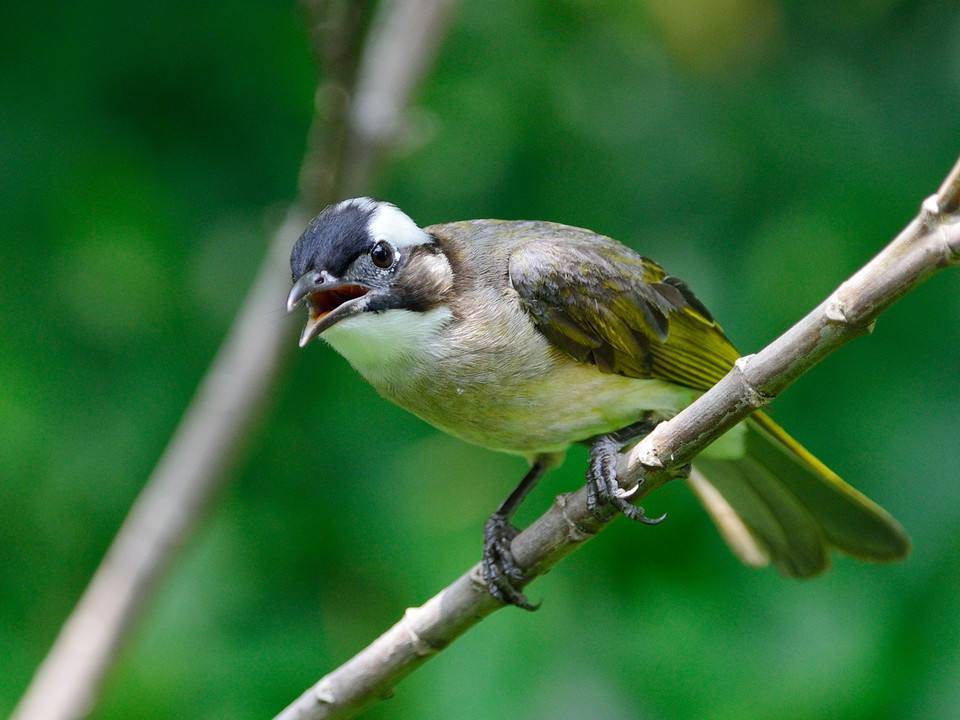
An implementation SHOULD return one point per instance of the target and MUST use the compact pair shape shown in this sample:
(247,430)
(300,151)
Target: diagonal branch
(928,244)
(233,394)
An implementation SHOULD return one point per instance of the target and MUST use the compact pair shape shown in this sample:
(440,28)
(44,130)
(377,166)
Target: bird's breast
(494,381)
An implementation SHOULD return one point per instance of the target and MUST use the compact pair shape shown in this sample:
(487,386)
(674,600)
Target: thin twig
(929,243)
(232,395)
(408,34)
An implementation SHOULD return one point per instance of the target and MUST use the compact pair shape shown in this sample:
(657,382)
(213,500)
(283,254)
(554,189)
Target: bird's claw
(604,494)
(500,569)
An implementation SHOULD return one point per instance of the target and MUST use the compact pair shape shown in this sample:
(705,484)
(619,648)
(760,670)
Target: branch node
(420,646)
(476,579)
(932,215)
(930,211)
(324,693)
(753,396)
(836,309)
(575,532)
(648,457)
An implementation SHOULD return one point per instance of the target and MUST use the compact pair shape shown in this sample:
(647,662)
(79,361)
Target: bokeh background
(760,149)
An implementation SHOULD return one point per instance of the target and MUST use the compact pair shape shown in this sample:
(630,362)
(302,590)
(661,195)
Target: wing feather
(602,303)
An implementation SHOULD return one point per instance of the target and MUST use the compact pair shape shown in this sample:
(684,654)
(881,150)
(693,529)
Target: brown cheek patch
(426,279)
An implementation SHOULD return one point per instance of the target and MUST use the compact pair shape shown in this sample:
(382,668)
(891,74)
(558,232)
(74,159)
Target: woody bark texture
(928,244)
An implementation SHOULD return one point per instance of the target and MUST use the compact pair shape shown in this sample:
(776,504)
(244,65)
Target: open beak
(328,300)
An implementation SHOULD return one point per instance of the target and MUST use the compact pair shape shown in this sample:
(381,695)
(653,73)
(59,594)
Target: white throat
(387,345)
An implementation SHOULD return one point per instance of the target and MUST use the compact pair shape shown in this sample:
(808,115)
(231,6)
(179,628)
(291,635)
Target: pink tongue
(325,301)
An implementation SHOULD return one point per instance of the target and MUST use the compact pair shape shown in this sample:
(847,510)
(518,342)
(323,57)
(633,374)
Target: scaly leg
(603,492)
(500,570)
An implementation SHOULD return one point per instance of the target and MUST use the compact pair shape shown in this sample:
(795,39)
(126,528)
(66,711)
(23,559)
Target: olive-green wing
(602,303)
(778,503)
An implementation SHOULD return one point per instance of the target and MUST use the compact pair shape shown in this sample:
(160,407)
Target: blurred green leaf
(761,149)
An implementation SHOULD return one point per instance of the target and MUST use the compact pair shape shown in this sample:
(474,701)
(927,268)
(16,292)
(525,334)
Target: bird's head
(364,256)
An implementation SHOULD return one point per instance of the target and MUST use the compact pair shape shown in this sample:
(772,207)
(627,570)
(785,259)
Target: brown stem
(232,395)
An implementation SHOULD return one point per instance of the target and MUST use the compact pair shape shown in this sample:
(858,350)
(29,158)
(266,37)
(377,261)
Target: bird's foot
(500,570)
(604,494)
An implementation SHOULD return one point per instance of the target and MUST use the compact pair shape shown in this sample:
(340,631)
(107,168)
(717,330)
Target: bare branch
(188,474)
(948,196)
(928,244)
(404,40)
(232,395)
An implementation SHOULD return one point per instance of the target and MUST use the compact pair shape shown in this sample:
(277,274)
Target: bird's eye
(382,255)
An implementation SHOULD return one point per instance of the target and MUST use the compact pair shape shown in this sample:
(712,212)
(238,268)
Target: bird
(527,337)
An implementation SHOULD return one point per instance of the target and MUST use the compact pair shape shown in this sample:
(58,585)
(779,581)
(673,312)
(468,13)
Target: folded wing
(603,304)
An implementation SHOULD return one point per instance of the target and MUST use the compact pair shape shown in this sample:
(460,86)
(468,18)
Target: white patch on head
(363,203)
(386,345)
(391,224)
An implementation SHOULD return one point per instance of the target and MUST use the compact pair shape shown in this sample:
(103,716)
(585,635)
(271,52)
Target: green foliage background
(760,149)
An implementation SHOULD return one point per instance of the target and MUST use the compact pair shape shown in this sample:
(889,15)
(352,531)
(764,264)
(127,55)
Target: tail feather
(793,507)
